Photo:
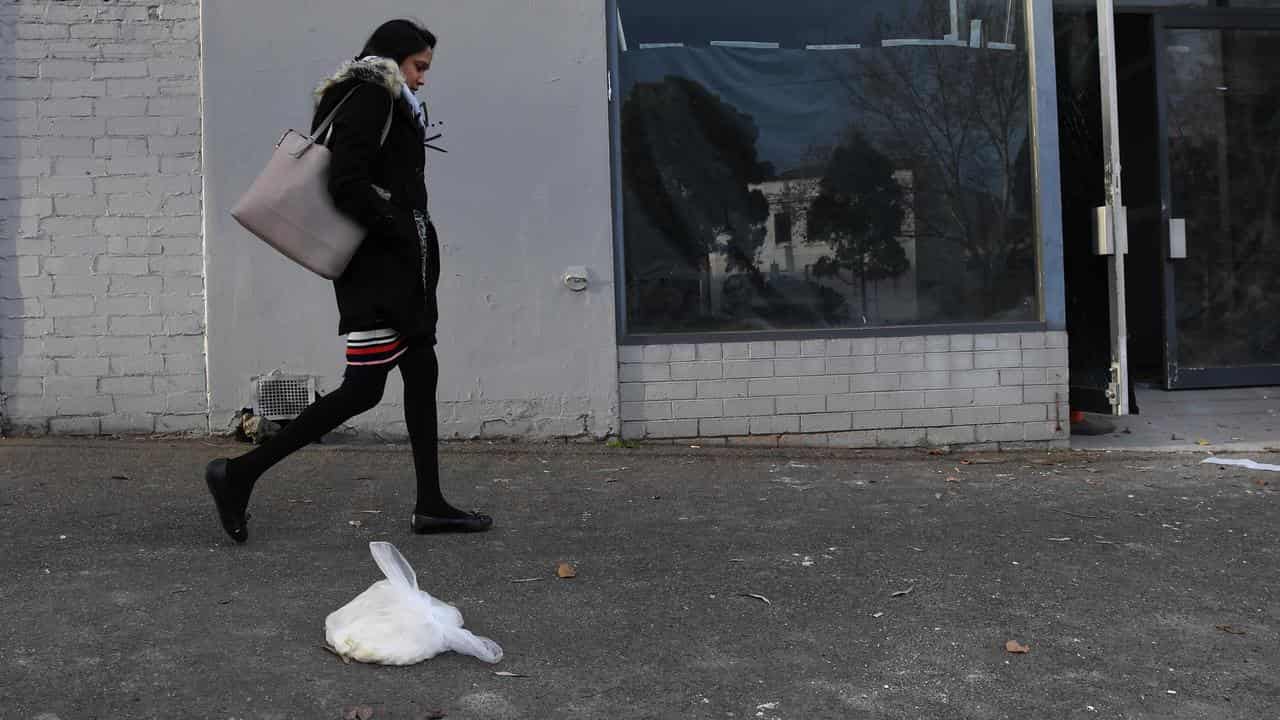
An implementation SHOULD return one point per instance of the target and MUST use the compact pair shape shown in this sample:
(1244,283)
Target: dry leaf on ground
(1017,648)
(565,571)
(1229,629)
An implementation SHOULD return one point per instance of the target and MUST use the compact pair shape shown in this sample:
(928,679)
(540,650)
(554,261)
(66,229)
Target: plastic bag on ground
(396,623)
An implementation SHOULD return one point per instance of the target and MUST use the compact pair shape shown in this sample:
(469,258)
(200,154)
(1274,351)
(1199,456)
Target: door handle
(1177,238)
(1103,242)
(1110,230)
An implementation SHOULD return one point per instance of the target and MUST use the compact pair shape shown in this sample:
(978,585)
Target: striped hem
(374,347)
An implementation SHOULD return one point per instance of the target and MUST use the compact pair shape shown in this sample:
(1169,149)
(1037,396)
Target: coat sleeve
(354,145)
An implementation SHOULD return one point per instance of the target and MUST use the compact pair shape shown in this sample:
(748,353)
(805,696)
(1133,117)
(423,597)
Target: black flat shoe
(430,524)
(230,510)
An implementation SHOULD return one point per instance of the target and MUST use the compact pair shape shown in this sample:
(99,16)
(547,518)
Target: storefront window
(819,165)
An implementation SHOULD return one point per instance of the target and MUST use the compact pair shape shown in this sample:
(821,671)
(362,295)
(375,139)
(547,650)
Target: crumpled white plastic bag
(396,623)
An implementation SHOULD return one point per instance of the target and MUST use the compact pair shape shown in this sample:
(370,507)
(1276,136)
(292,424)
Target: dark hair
(398,39)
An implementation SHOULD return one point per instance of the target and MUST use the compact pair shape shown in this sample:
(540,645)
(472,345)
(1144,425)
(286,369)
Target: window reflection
(829,167)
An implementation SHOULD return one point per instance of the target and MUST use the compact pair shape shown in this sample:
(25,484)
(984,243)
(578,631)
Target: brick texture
(101,248)
(995,390)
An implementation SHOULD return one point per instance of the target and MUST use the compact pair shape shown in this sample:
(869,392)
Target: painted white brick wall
(997,390)
(101,249)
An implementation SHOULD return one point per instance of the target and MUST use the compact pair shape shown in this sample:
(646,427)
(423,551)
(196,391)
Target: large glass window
(820,164)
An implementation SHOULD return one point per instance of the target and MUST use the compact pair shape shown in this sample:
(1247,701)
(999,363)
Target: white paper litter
(1250,464)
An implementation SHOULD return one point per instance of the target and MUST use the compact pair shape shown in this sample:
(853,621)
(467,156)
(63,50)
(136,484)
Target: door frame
(1177,377)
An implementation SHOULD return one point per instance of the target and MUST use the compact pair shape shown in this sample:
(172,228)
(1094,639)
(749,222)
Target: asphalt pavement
(710,583)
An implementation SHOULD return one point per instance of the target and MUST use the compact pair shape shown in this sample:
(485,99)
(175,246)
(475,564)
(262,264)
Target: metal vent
(284,397)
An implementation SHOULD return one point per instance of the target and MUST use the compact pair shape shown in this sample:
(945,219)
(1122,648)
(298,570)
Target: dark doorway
(1140,147)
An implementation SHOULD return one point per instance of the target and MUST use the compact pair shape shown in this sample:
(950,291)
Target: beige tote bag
(289,206)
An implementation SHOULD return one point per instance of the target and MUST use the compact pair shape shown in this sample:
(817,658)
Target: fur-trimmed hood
(380,71)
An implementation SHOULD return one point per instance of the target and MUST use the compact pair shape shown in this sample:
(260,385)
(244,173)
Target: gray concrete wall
(523,194)
(101,268)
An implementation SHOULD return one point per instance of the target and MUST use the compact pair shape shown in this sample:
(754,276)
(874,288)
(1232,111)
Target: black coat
(392,279)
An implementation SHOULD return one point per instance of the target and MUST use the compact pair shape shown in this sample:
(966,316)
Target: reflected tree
(689,161)
(957,117)
(858,213)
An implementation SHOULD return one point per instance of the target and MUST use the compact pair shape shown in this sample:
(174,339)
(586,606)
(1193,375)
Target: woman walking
(387,296)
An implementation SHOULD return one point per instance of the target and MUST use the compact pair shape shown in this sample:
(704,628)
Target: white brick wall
(101,250)
(996,390)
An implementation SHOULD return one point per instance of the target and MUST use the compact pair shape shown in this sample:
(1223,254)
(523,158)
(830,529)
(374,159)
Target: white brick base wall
(101,249)
(999,390)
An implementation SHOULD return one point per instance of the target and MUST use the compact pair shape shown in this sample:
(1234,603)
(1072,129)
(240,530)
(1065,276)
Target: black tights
(361,390)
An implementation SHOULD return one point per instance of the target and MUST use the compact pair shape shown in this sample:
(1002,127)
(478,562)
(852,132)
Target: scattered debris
(248,427)
(119,477)
(1060,539)
(355,523)
(432,715)
(1076,515)
(761,598)
(1230,630)
(1202,443)
(902,593)
(528,580)
(371,512)
(359,712)
(1249,464)
(765,706)
(1014,647)
(878,615)
(953,479)
(565,571)
(505,674)
(913,547)
(300,501)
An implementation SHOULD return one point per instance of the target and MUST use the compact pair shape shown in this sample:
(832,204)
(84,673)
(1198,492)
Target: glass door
(1220,94)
